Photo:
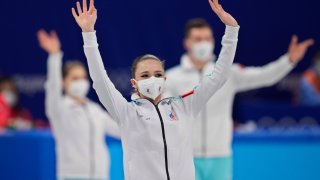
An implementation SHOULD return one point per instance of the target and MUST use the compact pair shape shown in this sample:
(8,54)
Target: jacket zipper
(164,142)
(91,144)
(163,137)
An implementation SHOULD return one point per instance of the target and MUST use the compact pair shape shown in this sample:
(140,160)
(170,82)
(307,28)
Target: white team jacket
(156,139)
(214,126)
(79,130)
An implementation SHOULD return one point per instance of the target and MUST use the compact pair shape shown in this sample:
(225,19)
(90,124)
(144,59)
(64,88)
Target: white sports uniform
(79,130)
(212,138)
(213,131)
(156,139)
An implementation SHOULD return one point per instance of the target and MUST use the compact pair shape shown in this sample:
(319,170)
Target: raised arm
(258,77)
(198,98)
(109,96)
(53,87)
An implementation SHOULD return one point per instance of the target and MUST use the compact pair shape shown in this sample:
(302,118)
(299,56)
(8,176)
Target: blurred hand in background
(49,41)
(298,50)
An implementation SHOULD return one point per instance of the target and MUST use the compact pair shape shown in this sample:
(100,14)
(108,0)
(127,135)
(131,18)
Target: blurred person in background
(212,136)
(310,83)
(79,125)
(12,115)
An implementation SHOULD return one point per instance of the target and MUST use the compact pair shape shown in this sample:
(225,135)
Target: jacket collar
(136,97)
(187,64)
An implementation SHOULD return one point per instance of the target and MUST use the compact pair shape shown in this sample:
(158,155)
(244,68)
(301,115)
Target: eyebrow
(145,72)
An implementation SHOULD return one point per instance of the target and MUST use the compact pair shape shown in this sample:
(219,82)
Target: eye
(158,75)
(145,76)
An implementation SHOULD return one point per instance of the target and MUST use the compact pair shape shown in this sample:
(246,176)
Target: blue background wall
(127,29)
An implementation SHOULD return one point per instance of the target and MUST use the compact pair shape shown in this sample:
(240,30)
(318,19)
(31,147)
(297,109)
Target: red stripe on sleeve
(188,94)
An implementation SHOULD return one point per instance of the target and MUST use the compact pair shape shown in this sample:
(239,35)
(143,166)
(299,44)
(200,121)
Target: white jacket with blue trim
(156,139)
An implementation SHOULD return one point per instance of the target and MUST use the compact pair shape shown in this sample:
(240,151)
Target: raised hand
(49,41)
(225,17)
(298,50)
(87,17)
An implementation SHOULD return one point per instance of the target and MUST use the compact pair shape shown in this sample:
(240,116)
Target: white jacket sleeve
(53,87)
(109,96)
(197,99)
(256,77)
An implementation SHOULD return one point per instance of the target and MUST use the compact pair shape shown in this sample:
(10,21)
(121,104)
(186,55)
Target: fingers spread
(216,3)
(213,6)
(84,4)
(42,37)
(41,32)
(79,8)
(217,8)
(91,4)
(74,13)
(220,9)
(307,43)
(92,10)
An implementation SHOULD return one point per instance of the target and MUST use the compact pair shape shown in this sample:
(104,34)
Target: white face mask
(203,50)
(79,88)
(10,98)
(151,87)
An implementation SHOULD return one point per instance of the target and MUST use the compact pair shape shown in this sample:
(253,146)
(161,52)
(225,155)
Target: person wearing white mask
(156,131)
(79,125)
(214,126)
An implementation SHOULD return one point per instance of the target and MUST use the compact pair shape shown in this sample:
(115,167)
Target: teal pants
(213,168)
